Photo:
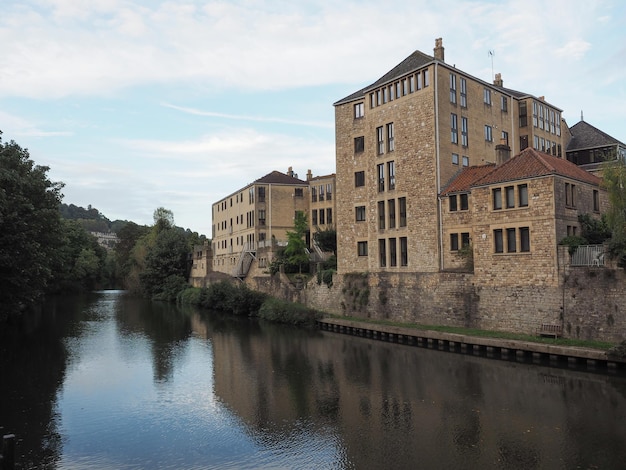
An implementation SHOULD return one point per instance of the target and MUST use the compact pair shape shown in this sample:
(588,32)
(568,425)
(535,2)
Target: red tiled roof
(532,163)
(466,178)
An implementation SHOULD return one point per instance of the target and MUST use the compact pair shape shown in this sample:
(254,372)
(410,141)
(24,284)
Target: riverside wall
(590,304)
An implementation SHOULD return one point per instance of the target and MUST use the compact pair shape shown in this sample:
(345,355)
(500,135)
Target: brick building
(589,147)
(400,140)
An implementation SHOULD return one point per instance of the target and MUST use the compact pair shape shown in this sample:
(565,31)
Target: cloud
(14,127)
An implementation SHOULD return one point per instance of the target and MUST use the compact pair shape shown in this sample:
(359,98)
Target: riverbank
(552,354)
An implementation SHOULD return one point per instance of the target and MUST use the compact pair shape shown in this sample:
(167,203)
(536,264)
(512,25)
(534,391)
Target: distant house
(589,146)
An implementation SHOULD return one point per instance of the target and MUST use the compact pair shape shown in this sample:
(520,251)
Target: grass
(604,346)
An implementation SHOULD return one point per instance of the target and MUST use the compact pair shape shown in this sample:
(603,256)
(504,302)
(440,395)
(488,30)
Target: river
(107,381)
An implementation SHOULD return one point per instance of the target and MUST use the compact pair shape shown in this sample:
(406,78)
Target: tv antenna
(492,53)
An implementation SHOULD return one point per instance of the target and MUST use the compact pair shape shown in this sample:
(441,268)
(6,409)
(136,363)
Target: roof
(585,136)
(413,62)
(465,178)
(276,177)
(531,163)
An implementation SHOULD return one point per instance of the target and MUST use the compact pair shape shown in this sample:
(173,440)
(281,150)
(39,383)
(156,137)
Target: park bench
(549,329)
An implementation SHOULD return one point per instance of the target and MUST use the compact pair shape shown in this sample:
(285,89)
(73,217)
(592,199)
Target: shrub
(287,312)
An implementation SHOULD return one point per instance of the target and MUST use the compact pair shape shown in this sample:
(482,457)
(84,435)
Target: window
(321,219)
(261,217)
(402,211)
(359,178)
(455,158)
(426,78)
(488,134)
(496,195)
(453,205)
(298,192)
(359,144)
(464,199)
(261,194)
(465,239)
(497,239)
(329,192)
(523,116)
(329,216)
(359,110)
(321,192)
(381,215)
(391,174)
(487,96)
(380,140)
(504,104)
(511,246)
(570,192)
(391,206)
(381,177)
(524,239)
(596,200)
(523,142)
(314,217)
(361,248)
(454,130)
(465,161)
(360,213)
(411,84)
(420,80)
(454,242)
(404,252)
(463,93)
(510,197)
(464,139)
(372,100)
(392,252)
(251,196)
(452,88)
(390,138)
(535,118)
(382,253)
(505,137)
(522,195)
(313,194)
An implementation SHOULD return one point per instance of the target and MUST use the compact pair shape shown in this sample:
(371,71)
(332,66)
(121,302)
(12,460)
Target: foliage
(128,236)
(295,251)
(573,242)
(466,253)
(326,239)
(287,312)
(165,264)
(326,276)
(163,218)
(614,177)
(595,231)
(224,296)
(30,228)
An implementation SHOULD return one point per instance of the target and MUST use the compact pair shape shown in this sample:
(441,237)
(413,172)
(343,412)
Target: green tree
(614,180)
(163,218)
(326,239)
(30,228)
(295,251)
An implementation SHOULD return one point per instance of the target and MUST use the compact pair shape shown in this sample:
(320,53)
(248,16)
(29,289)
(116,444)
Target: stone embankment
(497,348)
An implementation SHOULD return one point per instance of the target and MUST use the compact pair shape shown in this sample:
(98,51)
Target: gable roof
(585,136)
(413,62)
(276,177)
(532,163)
(465,178)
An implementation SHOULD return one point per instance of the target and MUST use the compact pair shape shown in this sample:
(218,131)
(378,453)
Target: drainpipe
(438,177)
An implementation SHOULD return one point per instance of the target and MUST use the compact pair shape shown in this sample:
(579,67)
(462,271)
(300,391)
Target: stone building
(512,215)
(249,224)
(589,147)
(400,140)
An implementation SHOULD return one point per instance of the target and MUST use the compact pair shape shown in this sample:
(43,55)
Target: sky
(140,104)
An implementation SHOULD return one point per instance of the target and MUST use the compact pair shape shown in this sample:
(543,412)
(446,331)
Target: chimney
(498,80)
(290,171)
(438,50)
(503,152)
(309,175)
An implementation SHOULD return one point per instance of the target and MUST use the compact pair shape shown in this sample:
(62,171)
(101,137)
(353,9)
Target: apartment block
(251,223)
(400,140)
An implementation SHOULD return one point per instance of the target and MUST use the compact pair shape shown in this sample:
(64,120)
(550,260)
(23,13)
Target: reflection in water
(109,381)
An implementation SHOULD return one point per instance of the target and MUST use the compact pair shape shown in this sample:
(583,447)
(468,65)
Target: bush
(287,312)
(573,242)
(229,298)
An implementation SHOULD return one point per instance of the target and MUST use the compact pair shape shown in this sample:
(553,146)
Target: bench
(548,329)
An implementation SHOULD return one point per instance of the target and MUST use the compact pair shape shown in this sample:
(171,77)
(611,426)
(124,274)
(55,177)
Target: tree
(295,251)
(30,228)
(163,218)
(614,179)
(326,239)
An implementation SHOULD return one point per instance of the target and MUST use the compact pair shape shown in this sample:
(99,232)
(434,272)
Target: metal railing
(588,255)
